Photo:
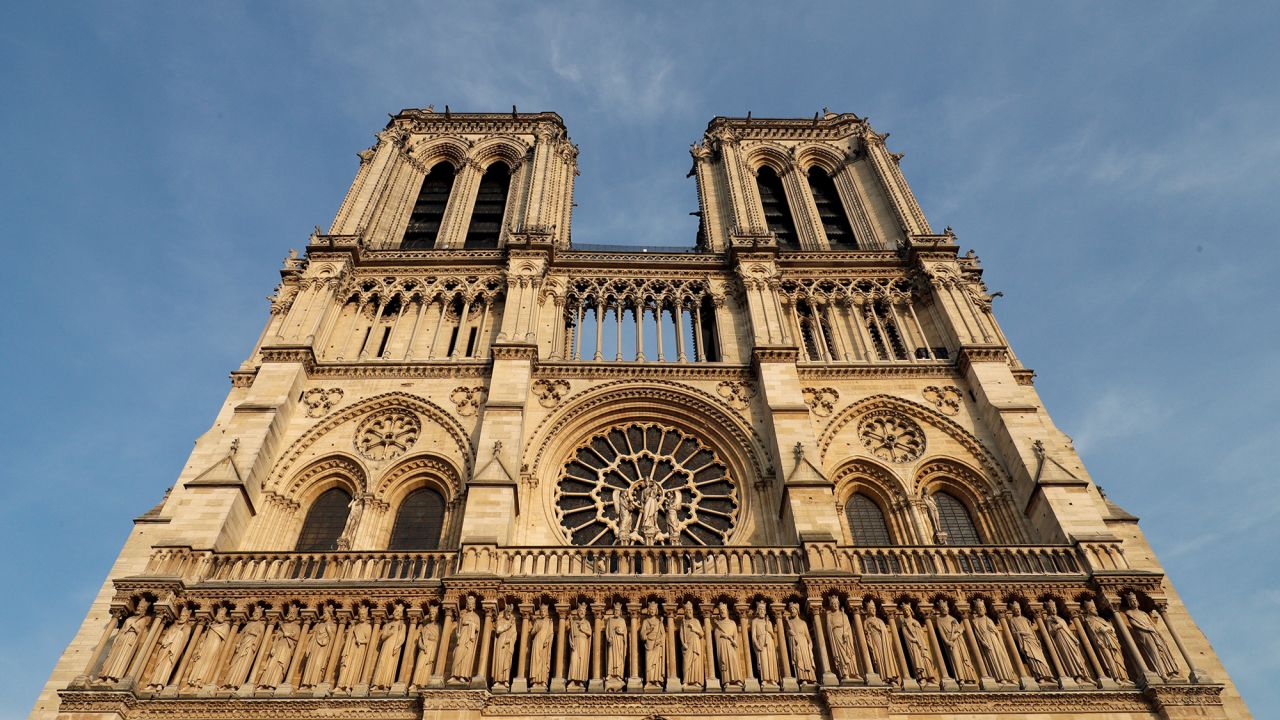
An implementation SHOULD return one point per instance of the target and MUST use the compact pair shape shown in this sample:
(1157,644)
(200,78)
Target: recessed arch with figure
(326,518)
(953,491)
(884,491)
(407,479)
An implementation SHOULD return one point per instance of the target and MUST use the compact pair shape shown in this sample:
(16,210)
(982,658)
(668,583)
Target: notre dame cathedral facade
(472,468)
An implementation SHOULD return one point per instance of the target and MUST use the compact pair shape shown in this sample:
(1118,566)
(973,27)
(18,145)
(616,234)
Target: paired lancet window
(778,213)
(427,218)
(418,525)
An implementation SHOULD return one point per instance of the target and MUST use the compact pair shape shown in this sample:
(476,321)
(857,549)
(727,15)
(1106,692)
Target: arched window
(325,521)
(866,521)
(830,211)
(777,214)
(955,520)
(418,521)
(428,211)
(491,204)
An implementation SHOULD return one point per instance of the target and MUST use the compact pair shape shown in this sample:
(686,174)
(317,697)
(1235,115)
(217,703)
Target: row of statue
(651,646)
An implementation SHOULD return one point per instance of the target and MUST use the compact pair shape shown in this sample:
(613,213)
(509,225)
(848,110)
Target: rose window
(388,434)
(890,437)
(646,484)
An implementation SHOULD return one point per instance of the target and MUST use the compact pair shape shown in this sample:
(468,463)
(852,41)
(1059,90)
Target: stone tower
(793,470)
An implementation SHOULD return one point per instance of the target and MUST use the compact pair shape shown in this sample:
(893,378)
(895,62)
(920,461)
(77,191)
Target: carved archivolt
(388,434)
(891,436)
(646,484)
(321,475)
(431,470)
(424,410)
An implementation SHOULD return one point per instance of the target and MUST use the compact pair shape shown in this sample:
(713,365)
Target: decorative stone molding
(891,436)
(468,399)
(737,393)
(946,398)
(821,401)
(320,401)
(550,391)
(388,434)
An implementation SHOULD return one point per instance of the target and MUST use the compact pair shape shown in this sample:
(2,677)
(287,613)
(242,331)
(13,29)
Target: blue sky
(1114,167)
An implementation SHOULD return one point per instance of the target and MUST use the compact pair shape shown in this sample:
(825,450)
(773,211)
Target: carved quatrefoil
(890,436)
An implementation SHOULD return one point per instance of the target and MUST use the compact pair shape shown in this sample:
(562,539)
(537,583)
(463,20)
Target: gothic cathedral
(472,468)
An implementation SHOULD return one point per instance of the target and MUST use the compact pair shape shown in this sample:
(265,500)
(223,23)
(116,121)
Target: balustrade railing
(349,567)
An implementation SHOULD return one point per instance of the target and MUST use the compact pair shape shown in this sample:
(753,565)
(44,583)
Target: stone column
(826,676)
(558,682)
(1051,650)
(596,683)
(268,633)
(408,650)
(1087,646)
(480,680)
(521,682)
(945,681)
(180,673)
(144,652)
(1025,681)
(442,653)
(673,673)
(904,672)
(864,654)
(113,622)
(635,683)
(985,680)
(789,683)
(713,680)
(370,655)
(1194,674)
(750,683)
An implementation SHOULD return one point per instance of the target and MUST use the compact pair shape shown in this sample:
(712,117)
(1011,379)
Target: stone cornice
(641,371)
(839,371)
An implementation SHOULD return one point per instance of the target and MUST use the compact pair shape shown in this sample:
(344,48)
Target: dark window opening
(777,213)
(710,341)
(453,342)
(491,205)
(365,342)
(428,210)
(325,521)
(866,521)
(471,342)
(835,222)
(382,346)
(955,520)
(419,521)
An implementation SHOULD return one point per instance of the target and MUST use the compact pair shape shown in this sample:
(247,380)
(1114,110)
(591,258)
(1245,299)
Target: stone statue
(800,644)
(246,650)
(1028,643)
(1066,643)
(843,650)
(951,631)
(990,644)
(464,649)
(615,633)
(277,664)
(728,651)
(579,647)
(1104,636)
(1151,644)
(354,650)
(917,646)
(169,649)
(654,640)
(355,510)
(879,643)
(392,641)
(540,649)
(204,660)
(624,506)
(651,503)
(931,506)
(428,643)
(692,642)
(641,510)
(504,647)
(319,646)
(674,501)
(765,642)
(126,644)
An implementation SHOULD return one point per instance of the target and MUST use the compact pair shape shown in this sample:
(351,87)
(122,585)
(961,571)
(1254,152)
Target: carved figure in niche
(765,643)
(540,649)
(579,647)
(800,643)
(1151,644)
(1066,642)
(355,511)
(316,658)
(204,661)
(879,642)
(987,636)
(953,646)
(392,640)
(464,650)
(727,649)
(935,519)
(692,642)
(1028,643)
(1104,636)
(917,646)
(646,503)
(427,643)
(126,644)
(504,647)
(168,650)
(277,664)
(843,651)
(624,506)
(354,650)
(653,638)
(246,650)
(615,633)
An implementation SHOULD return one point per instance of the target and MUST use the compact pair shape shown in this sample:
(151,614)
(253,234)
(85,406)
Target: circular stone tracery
(646,484)
(388,434)
(891,437)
